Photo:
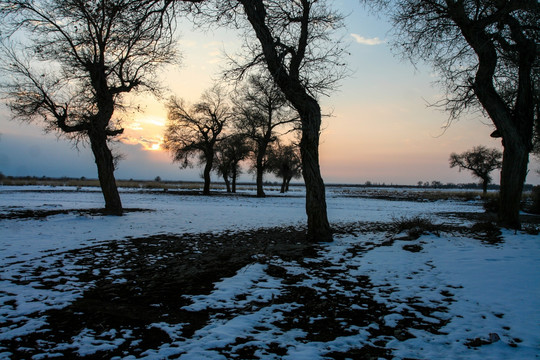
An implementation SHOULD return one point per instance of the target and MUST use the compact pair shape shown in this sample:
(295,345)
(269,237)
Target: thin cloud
(365,41)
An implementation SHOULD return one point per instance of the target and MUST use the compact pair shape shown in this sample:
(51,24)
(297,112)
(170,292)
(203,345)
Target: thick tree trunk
(515,123)
(206,173)
(105,165)
(513,174)
(318,226)
(289,82)
(283,185)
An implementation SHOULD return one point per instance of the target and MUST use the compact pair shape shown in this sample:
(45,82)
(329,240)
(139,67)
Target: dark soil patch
(42,214)
(155,273)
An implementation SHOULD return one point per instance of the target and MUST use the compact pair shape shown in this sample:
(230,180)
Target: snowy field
(438,295)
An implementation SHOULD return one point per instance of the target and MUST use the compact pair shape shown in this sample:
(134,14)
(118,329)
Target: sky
(381,128)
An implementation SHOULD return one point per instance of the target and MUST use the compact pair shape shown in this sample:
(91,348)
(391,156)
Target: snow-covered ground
(470,291)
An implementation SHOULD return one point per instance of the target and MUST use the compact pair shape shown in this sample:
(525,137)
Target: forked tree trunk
(513,174)
(105,165)
(318,226)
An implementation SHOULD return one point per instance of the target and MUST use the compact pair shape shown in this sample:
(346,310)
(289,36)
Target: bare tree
(230,152)
(295,42)
(486,53)
(195,130)
(481,161)
(285,163)
(261,110)
(78,60)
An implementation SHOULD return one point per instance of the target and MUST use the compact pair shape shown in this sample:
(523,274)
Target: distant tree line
(222,131)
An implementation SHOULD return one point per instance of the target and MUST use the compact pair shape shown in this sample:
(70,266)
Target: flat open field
(410,275)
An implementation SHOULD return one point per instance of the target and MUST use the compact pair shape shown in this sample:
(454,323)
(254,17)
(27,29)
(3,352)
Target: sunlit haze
(381,128)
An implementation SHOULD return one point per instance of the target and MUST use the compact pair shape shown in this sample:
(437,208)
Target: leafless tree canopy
(285,162)
(194,130)
(481,161)
(263,114)
(233,149)
(304,34)
(433,30)
(79,57)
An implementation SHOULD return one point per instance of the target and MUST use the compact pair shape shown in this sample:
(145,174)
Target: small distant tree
(262,109)
(481,161)
(193,131)
(286,163)
(230,152)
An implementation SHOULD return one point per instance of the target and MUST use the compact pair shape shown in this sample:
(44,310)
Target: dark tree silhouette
(230,152)
(481,161)
(285,162)
(261,110)
(487,54)
(78,60)
(195,130)
(295,42)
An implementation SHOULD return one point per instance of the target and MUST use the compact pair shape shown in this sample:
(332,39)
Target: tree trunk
(105,165)
(485,182)
(308,108)
(513,174)
(260,190)
(206,173)
(287,183)
(234,176)
(259,166)
(318,226)
(283,184)
(227,183)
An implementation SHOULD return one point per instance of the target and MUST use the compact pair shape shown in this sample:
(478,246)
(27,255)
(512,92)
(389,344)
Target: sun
(155,147)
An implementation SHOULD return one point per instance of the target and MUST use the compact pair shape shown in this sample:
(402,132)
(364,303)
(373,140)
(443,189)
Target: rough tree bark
(515,126)
(513,174)
(318,225)
(105,166)
(308,109)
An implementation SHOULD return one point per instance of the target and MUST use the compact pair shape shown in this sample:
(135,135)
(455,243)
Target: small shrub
(415,227)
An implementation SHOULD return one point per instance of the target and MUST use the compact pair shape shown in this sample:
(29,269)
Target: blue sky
(381,129)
